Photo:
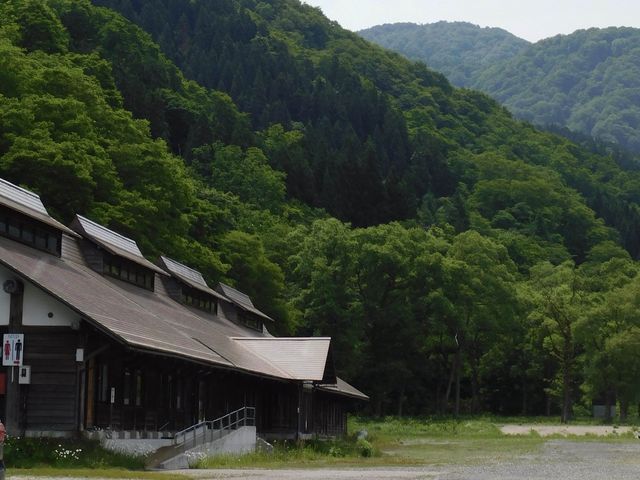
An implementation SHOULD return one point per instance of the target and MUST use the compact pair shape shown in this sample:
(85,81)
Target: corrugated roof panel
(113,242)
(240,299)
(188,276)
(183,271)
(22,196)
(101,233)
(29,204)
(301,358)
(236,295)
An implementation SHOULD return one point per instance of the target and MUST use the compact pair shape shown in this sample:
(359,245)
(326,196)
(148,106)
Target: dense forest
(460,50)
(587,81)
(461,260)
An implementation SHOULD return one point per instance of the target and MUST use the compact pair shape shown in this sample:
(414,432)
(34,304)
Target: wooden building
(105,339)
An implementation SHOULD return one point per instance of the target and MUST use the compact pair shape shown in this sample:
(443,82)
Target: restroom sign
(12,349)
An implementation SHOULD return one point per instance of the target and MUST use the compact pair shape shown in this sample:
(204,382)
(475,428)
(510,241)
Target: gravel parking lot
(557,459)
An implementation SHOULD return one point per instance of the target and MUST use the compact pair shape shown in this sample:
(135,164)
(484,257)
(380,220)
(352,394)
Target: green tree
(559,301)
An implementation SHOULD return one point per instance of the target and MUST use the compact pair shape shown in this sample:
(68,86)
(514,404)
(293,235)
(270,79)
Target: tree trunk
(566,394)
(378,406)
(475,389)
(524,396)
(447,394)
(547,407)
(400,401)
(607,407)
(624,409)
(458,362)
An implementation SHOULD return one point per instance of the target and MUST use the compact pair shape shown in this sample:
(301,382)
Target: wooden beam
(13,413)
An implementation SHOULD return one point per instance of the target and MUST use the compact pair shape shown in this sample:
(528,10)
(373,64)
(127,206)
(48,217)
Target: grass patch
(466,451)
(316,453)
(52,453)
(90,473)
(392,428)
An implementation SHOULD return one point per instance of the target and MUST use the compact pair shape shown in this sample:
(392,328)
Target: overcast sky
(529,19)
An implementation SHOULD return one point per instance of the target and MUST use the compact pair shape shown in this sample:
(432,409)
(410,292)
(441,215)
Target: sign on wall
(12,349)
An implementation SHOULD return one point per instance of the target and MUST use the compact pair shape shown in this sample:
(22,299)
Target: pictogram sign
(12,349)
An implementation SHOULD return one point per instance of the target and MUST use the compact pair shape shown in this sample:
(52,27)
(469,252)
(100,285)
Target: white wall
(36,306)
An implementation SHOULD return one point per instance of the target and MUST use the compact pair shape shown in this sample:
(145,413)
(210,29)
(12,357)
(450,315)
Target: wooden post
(91,387)
(299,427)
(12,413)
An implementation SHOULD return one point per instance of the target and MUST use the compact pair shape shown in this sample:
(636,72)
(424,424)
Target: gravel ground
(557,459)
(580,430)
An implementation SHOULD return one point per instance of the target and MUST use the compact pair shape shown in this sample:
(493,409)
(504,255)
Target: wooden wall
(51,398)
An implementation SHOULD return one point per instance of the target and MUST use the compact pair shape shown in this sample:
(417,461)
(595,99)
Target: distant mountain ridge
(460,50)
(587,81)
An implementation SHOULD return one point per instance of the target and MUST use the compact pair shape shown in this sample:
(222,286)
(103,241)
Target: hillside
(586,81)
(460,50)
(349,191)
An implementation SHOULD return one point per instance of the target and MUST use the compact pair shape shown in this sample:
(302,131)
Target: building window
(200,300)
(126,388)
(129,272)
(29,231)
(250,321)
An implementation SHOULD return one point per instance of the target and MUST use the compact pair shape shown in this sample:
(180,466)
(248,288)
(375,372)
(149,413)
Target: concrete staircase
(234,433)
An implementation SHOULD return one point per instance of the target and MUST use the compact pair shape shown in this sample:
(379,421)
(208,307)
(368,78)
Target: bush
(64,453)
(365,448)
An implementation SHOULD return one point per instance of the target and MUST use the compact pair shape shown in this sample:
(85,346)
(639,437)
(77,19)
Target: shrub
(52,452)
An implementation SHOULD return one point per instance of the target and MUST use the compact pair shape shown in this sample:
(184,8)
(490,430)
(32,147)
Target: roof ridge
(163,257)
(18,187)
(102,227)
(281,338)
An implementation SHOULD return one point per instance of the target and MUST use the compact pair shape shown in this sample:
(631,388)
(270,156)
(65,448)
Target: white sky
(529,19)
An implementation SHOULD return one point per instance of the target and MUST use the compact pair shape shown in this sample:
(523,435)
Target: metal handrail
(210,430)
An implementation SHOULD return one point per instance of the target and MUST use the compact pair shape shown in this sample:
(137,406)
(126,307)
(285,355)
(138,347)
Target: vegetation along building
(97,337)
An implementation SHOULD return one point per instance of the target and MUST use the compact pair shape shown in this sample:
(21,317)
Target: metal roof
(236,296)
(300,358)
(22,196)
(343,388)
(29,204)
(153,321)
(188,276)
(113,242)
(240,299)
(183,271)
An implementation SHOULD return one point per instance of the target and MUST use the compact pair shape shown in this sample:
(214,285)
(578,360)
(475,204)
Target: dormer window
(29,231)
(250,321)
(239,308)
(189,287)
(115,255)
(24,219)
(199,300)
(128,271)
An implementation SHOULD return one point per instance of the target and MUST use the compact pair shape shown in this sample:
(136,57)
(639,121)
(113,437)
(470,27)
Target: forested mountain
(587,82)
(241,136)
(460,50)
